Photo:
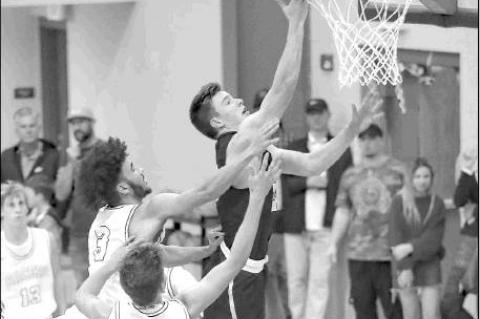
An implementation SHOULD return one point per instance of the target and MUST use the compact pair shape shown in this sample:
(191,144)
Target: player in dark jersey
(216,114)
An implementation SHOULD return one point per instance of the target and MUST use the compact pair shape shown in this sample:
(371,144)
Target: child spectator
(30,262)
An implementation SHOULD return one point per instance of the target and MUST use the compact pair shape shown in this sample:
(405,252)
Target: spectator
(276,291)
(363,200)
(416,241)
(32,155)
(466,199)
(30,262)
(308,219)
(79,215)
(42,214)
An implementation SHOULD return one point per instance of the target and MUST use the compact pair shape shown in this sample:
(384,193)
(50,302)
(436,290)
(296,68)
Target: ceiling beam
(448,7)
(25,3)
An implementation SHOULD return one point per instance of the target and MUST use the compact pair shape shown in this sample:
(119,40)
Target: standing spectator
(276,291)
(30,262)
(32,155)
(416,241)
(466,199)
(308,219)
(363,202)
(79,214)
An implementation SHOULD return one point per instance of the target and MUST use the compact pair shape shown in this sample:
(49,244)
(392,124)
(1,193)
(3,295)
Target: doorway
(53,57)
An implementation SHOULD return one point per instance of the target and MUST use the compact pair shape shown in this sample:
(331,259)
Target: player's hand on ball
(261,181)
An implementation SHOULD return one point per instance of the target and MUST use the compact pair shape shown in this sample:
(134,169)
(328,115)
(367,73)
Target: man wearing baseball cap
(308,219)
(78,216)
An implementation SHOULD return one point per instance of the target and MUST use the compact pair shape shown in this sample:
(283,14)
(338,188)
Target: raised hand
(215,238)
(260,182)
(116,259)
(369,110)
(259,140)
(295,10)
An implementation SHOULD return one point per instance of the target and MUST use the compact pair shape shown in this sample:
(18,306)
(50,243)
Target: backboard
(444,13)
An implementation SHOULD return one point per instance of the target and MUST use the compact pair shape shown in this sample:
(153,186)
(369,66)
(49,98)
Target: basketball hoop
(367,47)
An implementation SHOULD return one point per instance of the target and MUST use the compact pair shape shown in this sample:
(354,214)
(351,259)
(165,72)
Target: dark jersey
(232,206)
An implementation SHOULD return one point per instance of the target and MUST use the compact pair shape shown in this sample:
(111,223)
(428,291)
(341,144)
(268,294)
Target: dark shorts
(243,299)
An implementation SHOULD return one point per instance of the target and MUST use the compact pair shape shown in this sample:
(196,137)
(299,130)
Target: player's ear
(123,188)
(216,123)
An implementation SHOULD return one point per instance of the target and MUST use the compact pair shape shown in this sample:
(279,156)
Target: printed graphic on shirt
(102,234)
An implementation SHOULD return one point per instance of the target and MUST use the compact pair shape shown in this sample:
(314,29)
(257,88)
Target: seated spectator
(32,155)
(416,243)
(30,264)
(42,214)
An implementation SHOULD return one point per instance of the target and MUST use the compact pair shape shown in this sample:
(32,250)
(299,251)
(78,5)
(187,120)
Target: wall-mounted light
(326,62)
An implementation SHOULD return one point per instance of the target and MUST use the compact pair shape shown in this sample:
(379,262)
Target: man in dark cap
(308,217)
(362,208)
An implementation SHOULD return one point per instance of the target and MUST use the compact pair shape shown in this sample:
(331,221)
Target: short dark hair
(141,274)
(100,172)
(372,131)
(201,109)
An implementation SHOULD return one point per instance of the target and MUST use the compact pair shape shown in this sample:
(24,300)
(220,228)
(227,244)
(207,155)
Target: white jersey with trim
(108,232)
(177,280)
(27,283)
(169,309)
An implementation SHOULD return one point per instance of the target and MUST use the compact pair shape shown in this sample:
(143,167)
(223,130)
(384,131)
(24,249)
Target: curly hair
(201,109)
(100,171)
(141,275)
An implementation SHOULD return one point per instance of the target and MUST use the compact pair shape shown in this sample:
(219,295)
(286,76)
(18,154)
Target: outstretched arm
(151,216)
(86,298)
(211,286)
(314,163)
(285,80)
(177,255)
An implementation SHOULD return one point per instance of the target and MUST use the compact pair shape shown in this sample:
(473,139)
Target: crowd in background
(393,237)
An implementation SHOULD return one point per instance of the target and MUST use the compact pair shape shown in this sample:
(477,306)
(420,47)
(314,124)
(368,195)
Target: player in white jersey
(108,178)
(29,261)
(139,267)
(109,231)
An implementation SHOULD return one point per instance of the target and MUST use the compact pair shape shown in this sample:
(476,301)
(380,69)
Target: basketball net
(366,46)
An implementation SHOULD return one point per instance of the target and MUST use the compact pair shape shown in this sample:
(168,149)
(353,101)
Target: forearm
(321,159)
(340,224)
(246,233)
(286,75)
(219,183)
(176,255)
(86,298)
(57,283)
